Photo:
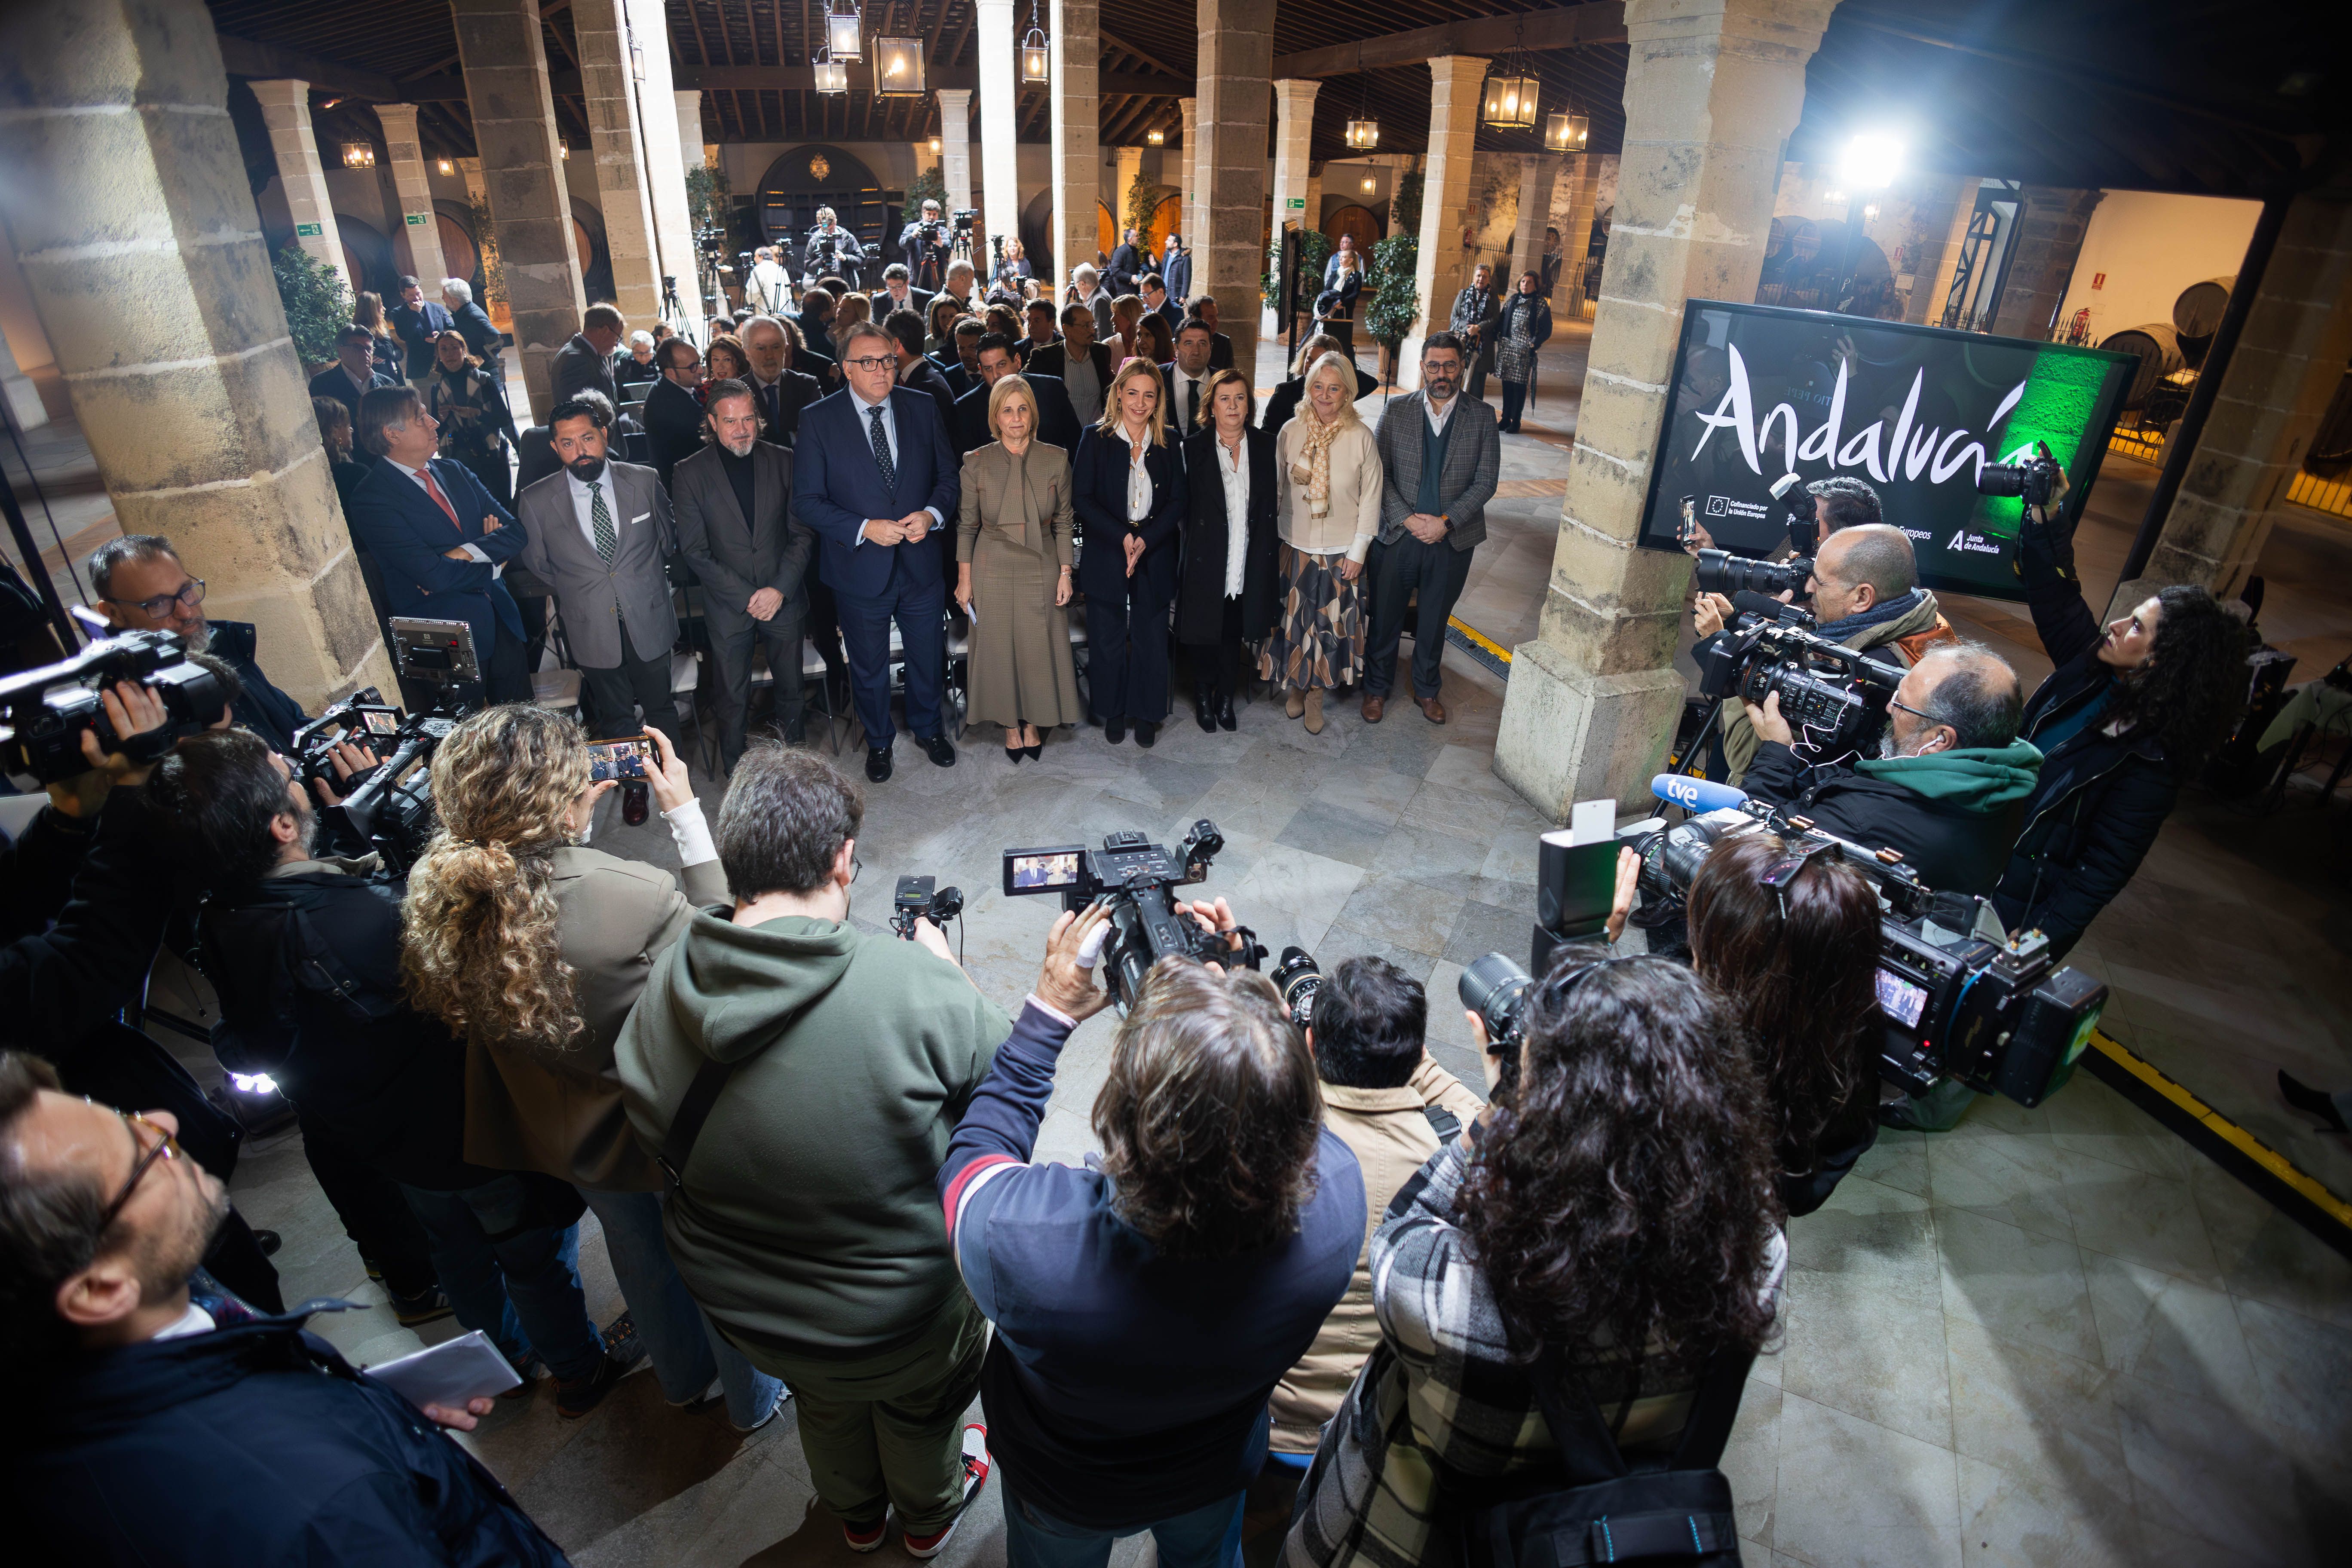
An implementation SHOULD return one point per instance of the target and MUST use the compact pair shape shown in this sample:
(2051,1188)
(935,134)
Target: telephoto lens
(1299,979)
(1496,988)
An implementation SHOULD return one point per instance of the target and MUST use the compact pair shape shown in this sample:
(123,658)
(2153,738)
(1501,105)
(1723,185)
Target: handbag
(1677,1511)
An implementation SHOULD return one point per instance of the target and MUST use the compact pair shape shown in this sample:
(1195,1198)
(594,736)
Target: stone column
(1129,170)
(955,145)
(1712,88)
(2286,367)
(1534,208)
(126,184)
(1294,130)
(1235,70)
(286,110)
(665,160)
(1185,157)
(2043,262)
(999,119)
(1943,212)
(18,391)
(419,237)
(689,130)
(1077,64)
(608,87)
(514,126)
(1439,265)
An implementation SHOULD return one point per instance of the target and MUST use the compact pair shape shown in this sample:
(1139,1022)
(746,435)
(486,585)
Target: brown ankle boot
(1315,711)
(1294,702)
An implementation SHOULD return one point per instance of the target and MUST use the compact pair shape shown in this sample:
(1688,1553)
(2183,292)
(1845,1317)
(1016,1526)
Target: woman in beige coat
(1013,575)
(1329,470)
(533,948)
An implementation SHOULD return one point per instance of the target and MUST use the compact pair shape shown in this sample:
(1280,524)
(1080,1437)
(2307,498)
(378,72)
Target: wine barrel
(2159,348)
(2197,315)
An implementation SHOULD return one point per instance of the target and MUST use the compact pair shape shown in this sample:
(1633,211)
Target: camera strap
(1443,1122)
(692,1112)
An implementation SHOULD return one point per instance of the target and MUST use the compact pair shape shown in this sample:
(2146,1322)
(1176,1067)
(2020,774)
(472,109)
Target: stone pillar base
(1568,735)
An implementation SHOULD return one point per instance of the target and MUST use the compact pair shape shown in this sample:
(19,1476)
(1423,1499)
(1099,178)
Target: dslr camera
(1721,572)
(2033,481)
(1834,697)
(46,709)
(1135,880)
(1957,998)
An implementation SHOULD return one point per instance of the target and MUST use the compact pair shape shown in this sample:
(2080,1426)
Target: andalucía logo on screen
(1761,390)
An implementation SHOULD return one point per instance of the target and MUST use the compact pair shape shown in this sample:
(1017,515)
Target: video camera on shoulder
(1135,880)
(363,718)
(46,709)
(1834,697)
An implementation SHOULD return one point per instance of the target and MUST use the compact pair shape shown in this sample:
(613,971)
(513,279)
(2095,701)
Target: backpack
(1677,1511)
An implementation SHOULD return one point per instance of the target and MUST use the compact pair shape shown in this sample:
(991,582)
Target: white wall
(2151,246)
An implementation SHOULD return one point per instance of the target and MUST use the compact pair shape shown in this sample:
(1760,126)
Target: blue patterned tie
(882,452)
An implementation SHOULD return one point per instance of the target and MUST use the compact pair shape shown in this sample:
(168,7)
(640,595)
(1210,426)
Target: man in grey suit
(1439,453)
(736,527)
(598,534)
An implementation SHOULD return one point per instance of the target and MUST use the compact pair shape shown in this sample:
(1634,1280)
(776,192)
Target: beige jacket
(560,1112)
(1391,1138)
(1354,520)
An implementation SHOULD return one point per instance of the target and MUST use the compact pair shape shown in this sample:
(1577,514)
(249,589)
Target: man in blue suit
(439,537)
(874,474)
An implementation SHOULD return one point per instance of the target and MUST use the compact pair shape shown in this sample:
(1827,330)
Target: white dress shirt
(1439,416)
(891,435)
(1177,385)
(195,1321)
(473,551)
(1235,471)
(584,504)
(1139,481)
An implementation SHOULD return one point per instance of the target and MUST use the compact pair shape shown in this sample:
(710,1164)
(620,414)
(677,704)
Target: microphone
(1697,796)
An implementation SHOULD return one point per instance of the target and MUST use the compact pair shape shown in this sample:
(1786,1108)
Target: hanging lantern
(1370,184)
(1155,137)
(1035,65)
(444,166)
(1566,133)
(935,143)
(358,155)
(1363,136)
(898,67)
(841,40)
(1511,101)
(832,76)
(564,150)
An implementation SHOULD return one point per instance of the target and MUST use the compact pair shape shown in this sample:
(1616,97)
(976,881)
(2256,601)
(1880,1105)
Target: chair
(558,689)
(816,691)
(684,681)
(957,685)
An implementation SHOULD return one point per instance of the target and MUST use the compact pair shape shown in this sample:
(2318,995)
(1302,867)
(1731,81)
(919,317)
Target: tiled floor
(2056,1337)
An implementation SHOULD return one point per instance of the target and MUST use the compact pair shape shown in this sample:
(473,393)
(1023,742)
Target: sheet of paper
(448,1373)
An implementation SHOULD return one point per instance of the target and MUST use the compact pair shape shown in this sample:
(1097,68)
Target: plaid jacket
(1443,1396)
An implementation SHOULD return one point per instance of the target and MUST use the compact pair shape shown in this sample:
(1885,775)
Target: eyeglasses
(856,865)
(1893,703)
(871,363)
(165,1147)
(191,595)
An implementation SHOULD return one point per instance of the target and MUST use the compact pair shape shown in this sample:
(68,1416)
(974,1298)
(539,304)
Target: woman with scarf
(1524,326)
(1329,471)
(471,409)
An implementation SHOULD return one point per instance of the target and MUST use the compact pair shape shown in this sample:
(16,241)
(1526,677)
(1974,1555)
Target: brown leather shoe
(1431,710)
(1374,707)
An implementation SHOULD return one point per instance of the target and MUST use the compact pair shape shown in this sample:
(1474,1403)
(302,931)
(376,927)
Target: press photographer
(923,246)
(1949,788)
(1865,593)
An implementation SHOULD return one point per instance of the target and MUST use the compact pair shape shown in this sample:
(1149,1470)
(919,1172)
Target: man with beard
(142,586)
(736,528)
(597,534)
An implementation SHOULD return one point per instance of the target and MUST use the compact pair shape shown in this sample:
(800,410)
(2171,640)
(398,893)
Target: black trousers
(534,630)
(375,1215)
(1217,666)
(1437,572)
(506,678)
(614,696)
(1127,656)
(732,639)
(1515,402)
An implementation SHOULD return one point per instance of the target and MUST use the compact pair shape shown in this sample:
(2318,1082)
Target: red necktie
(439,500)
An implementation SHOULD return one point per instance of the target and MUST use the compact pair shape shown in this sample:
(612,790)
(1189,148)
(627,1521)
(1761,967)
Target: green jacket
(809,1223)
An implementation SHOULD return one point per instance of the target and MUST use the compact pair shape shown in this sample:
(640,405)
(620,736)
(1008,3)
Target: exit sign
(418,220)
(310,229)
(1297,204)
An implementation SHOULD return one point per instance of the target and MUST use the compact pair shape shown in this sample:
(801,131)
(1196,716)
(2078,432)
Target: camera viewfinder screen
(380,723)
(1900,1000)
(1761,390)
(618,758)
(1042,870)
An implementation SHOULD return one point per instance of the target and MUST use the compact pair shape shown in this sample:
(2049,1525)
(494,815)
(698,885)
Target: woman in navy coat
(1129,498)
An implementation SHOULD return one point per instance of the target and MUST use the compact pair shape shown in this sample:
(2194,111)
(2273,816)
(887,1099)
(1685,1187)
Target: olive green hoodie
(809,1220)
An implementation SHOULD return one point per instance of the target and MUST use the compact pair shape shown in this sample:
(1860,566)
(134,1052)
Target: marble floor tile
(1412,915)
(1335,833)
(1751,1460)
(1855,1495)
(2140,1218)
(2266,1256)
(2199,1470)
(1865,1320)
(2019,1285)
(2011,1178)
(2037,1411)
(1483,928)
(2303,1371)
(2171,1333)
(2011,1519)
(1898,1158)
(1465,813)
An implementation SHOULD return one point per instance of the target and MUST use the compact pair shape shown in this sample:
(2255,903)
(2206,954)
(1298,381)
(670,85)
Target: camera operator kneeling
(1145,1308)
(304,954)
(1611,1224)
(2129,712)
(1949,784)
(1799,965)
(576,930)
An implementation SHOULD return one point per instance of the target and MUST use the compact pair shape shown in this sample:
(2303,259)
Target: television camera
(1134,879)
(46,709)
(1834,697)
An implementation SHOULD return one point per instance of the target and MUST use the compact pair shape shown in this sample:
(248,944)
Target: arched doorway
(1360,223)
(367,257)
(459,254)
(1106,231)
(1167,218)
(1037,238)
(820,175)
(595,262)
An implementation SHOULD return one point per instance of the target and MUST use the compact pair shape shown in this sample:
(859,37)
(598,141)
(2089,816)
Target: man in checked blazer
(1439,453)
(598,533)
(736,529)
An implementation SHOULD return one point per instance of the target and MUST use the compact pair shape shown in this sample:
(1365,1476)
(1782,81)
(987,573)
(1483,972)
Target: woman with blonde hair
(532,948)
(1329,470)
(1284,400)
(1125,342)
(1013,575)
(1129,484)
(849,310)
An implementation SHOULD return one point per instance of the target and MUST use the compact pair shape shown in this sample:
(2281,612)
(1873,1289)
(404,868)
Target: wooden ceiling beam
(245,58)
(1570,27)
(719,79)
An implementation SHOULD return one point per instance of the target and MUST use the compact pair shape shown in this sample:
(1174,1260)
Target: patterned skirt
(1318,640)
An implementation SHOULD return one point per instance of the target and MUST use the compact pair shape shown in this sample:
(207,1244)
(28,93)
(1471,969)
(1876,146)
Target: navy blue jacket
(418,325)
(252,1444)
(837,485)
(1057,422)
(396,522)
(1123,1386)
(332,382)
(1098,492)
(262,708)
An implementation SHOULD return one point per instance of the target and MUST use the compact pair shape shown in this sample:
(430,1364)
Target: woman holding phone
(577,931)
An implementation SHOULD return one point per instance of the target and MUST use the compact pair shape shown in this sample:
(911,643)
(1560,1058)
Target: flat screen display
(1759,391)
(1900,1000)
(1038,872)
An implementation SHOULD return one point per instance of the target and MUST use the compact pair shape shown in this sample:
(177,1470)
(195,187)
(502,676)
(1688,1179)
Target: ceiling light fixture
(842,35)
(1036,68)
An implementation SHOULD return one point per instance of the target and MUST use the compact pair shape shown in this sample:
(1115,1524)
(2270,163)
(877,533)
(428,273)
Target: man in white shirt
(770,283)
(1188,395)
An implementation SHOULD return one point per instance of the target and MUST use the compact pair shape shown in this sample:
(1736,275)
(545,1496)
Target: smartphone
(623,757)
(1687,531)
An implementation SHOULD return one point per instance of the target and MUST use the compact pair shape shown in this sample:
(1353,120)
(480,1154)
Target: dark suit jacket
(1054,361)
(781,404)
(1128,263)
(1201,584)
(1057,422)
(578,367)
(1099,494)
(922,376)
(673,426)
(1176,271)
(837,485)
(1172,407)
(817,338)
(332,382)
(397,524)
(1473,458)
(817,367)
(481,334)
(418,325)
(960,380)
(1221,352)
(734,556)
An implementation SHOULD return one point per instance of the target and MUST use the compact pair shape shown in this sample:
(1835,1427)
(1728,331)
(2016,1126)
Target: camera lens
(1494,987)
(1298,979)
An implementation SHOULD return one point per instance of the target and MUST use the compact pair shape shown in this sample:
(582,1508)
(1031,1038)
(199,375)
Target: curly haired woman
(532,948)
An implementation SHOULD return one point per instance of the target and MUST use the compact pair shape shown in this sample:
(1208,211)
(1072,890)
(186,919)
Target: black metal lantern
(898,67)
(1566,133)
(843,40)
(1036,65)
(1512,90)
